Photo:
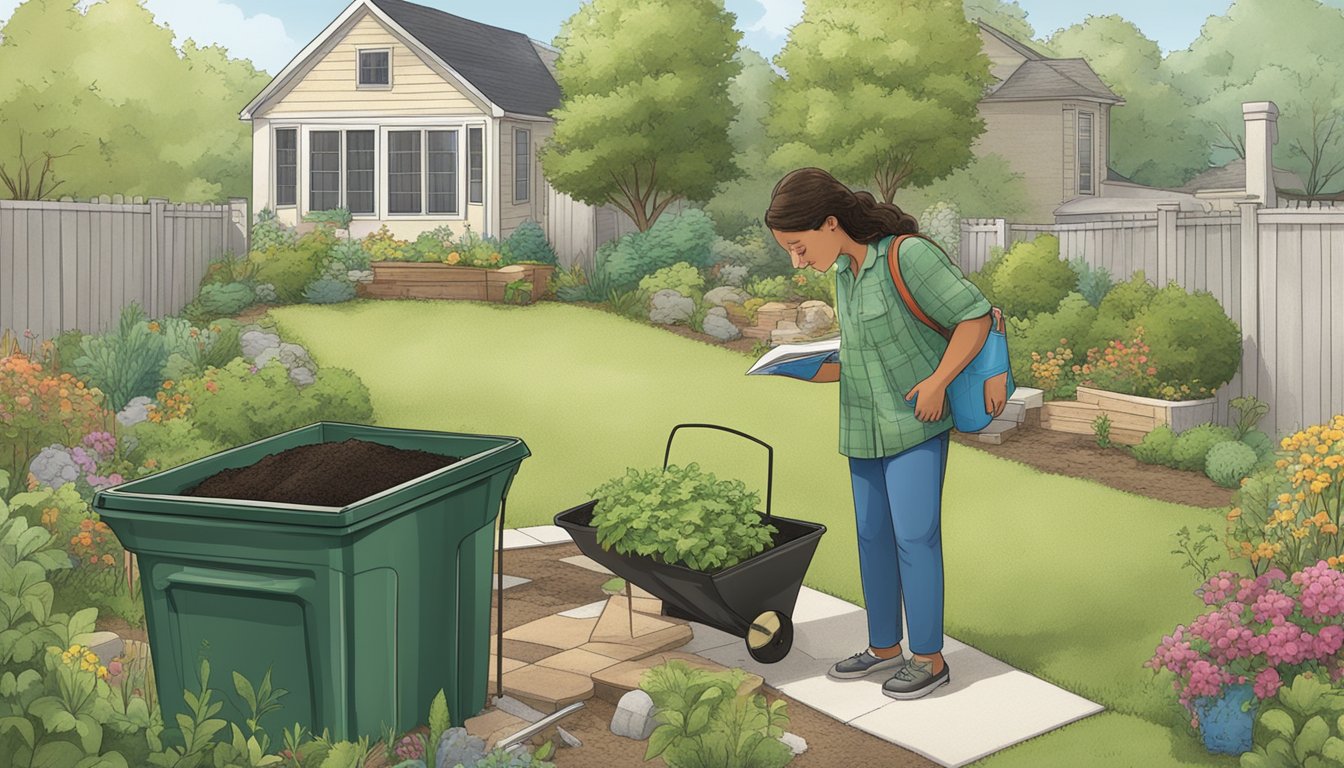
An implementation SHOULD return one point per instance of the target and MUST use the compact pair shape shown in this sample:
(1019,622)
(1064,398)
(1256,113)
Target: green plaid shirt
(885,351)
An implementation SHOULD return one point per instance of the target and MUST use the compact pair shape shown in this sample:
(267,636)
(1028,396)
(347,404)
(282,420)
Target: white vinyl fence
(67,264)
(1279,273)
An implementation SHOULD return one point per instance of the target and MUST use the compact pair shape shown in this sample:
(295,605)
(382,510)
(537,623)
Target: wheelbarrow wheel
(770,637)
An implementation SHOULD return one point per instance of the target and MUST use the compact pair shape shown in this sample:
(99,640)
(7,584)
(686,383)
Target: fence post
(1001,233)
(239,222)
(156,248)
(1166,242)
(1249,317)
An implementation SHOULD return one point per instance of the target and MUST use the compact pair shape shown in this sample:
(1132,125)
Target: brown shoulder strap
(894,264)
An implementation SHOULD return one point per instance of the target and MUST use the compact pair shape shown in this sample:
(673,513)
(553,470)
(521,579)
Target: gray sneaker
(863,664)
(915,679)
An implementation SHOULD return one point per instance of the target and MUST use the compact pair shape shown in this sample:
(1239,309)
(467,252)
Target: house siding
(511,213)
(1029,136)
(330,83)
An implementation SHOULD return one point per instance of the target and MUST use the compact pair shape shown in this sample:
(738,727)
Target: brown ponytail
(804,198)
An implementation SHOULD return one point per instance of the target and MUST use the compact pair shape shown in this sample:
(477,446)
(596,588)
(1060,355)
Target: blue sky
(270,32)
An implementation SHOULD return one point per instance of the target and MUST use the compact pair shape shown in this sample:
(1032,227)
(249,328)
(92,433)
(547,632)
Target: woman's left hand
(932,399)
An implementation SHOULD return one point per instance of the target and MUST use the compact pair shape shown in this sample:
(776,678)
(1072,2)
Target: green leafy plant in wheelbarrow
(700,545)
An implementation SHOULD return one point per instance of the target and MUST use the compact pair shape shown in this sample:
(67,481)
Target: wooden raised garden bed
(431,280)
(1131,416)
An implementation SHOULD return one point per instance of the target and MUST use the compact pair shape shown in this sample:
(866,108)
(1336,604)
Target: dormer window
(375,68)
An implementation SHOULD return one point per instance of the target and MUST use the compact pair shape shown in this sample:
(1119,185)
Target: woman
(897,449)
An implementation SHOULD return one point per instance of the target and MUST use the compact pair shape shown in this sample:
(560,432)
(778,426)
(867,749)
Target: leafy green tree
(106,93)
(739,202)
(985,188)
(1287,52)
(1007,17)
(1154,138)
(879,91)
(646,112)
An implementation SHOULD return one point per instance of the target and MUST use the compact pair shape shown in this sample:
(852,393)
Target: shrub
(680,277)
(338,217)
(1304,719)
(683,237)
(430,247)
(68,345)
(755,250)
(350,254)
(983,278)
(329,290)
(528,242)
(1259,442)
(1228,462)
(1050,332)
(223,300)
(1156,447)
(1125,367)
(171,443)
(1093,282)
(1053,372)
(268,232)
(778,288)
(1032,278)
(240,403)
(382,246)
(1193,342)
(680,515)
(706,721)
(290,269)
(941,223)
(229,269)
(226,344)
(1118,309)
(1192,445)
(125,363)
(38,409)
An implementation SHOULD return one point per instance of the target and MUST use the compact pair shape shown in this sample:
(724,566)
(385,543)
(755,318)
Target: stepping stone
(1014,410)
(1028,396)
(515,539)
(584,561)
(578,661)
(494,725)
(509,666)
(639,591)
(614,624)
(545,689)
(547,534)
(559,632)
(524,651)
(668,639)
(997,431)
(509,581)
(615,681)
(589,611)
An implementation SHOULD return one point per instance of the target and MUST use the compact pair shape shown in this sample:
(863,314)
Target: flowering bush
(382,246)
(1120,367)
(38,409)
(1053,372)
(1262,630)
(1290,515)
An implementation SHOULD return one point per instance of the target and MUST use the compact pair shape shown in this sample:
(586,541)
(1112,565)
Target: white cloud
(261,38)
(778,17)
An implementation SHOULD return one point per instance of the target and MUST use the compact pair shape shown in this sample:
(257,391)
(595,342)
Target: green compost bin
(362,613)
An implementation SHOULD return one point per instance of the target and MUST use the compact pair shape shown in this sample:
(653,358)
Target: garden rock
(105,645)
(634,718)
(670,307)
(726,293)
(568,738)
(458,746)
(733,274)
(815,317)
(54,467)
(785,332)
(718,325)
(256,342)
(136,411)
(301,377)
(794,742)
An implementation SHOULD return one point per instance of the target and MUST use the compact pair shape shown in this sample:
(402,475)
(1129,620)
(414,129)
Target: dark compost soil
(324,474)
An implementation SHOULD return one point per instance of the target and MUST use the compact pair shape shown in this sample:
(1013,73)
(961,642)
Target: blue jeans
(898,508)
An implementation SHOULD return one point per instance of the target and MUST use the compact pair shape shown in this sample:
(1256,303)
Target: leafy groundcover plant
(706,721)
(681,515)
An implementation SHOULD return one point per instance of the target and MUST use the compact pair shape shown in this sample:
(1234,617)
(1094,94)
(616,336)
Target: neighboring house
(410,117)
(1050,119)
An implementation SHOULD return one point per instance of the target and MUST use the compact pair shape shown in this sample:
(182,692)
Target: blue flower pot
(1225,721)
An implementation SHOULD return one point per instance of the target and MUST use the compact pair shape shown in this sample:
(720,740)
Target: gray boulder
(458,746)
(54,467)
(733,274)
(719,326)
(136,411)
(815,317)
(634,718)
(724,293)
(669,308)
(256,342)
(302,377)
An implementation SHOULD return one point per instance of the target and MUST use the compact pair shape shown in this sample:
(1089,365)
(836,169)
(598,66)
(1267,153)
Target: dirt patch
(558,586)
(1064,453)
(123,628)
(324,474)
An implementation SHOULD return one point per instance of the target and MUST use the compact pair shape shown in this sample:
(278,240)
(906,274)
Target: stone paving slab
(560,632)
(547,534)
(509,581)
(614,625)
(509,666)
(589,611)
(578,661)
(515,539)
(584,561)
(671,638)
(706,637)
(546,689)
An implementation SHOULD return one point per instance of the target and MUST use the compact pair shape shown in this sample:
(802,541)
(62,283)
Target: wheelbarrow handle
(770,455)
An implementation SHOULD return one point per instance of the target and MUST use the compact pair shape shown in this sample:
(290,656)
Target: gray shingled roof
(1233,176)
(502,64)
(1012,42)
(1053,79)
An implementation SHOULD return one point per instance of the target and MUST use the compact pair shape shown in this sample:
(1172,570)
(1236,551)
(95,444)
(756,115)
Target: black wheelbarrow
(753,599)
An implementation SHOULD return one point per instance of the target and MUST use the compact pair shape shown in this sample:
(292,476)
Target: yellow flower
(1233,513)
(102,672)
(1284,498)
(1299,533)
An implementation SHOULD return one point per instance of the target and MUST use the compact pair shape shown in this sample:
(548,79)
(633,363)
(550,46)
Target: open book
(801,361)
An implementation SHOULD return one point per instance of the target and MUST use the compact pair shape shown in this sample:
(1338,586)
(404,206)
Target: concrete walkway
(986,707)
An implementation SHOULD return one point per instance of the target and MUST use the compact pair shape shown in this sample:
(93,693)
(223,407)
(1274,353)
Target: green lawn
(1063,578)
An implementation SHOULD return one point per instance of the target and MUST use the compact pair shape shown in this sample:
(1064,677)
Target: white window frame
(359,56)
(461,171)
(527,166)
(275,166)
(480,131)
(304,192)
(1086,170)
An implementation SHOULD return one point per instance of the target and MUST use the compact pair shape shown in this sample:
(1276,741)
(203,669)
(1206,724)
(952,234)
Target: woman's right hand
(828,372)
